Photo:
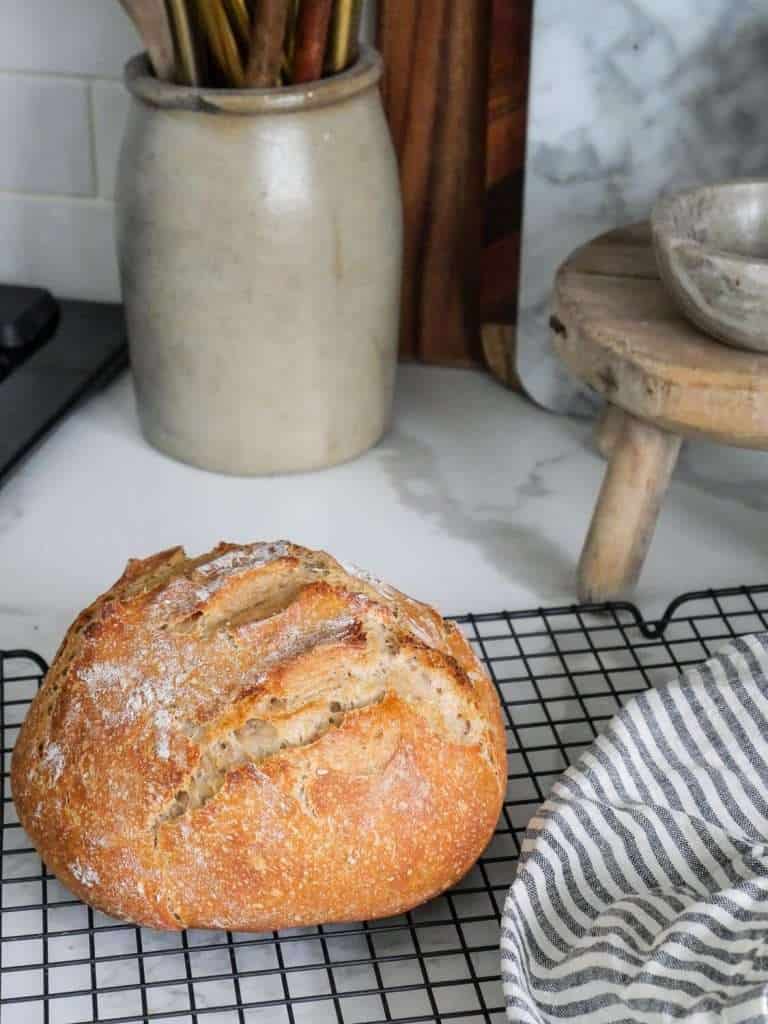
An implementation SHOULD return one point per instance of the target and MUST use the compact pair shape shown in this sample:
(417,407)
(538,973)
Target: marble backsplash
(628,98)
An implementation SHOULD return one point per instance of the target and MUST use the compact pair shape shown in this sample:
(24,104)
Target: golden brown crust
(259,738)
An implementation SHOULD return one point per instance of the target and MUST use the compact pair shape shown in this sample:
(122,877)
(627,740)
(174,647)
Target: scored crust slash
(258,738)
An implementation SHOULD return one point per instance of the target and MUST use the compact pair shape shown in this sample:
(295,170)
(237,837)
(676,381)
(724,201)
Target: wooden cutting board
(434,89)
(455,91)
(510,56)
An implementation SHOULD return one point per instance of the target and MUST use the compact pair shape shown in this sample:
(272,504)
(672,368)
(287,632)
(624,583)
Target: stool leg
(622,524)
(608,428)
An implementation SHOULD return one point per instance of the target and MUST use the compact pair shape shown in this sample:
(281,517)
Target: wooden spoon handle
(151,20)
(267,35)
(311,37)
(345,28)
(240,19)
(187,71)
(290,36)
(221,41)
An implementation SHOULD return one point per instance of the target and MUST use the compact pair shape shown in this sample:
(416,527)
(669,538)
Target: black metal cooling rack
(561,674)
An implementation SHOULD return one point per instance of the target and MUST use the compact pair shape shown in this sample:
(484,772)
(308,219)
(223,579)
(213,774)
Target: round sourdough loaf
(259,738)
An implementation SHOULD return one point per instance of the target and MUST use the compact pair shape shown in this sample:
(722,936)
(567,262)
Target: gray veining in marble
(517,548)
(476,500)
(629,98)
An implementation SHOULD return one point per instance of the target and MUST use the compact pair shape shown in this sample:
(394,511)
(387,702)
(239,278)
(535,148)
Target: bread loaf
(259,738)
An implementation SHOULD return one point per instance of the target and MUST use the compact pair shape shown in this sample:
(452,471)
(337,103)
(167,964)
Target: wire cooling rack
(561,674)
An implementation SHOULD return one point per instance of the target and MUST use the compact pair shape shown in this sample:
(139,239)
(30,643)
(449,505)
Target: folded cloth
(642,889)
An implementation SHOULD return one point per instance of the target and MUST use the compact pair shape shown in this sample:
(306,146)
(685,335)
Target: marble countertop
(475,501)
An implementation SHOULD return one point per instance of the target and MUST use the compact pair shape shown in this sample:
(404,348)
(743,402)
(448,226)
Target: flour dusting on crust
(101,676)
(184,594)
(251,556)
(85,874)
(53,759)
(162,736)
(368,577)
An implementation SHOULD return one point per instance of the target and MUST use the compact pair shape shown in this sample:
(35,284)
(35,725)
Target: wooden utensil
(311,37)
(267,37)
(290,37)
(345,29)
(187,67)
(151,20)
(240,18)
(434,89)
(221,41)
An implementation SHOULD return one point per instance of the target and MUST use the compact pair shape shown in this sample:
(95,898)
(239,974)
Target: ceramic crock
(259,243)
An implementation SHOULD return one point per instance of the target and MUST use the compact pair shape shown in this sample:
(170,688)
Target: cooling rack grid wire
(561,674)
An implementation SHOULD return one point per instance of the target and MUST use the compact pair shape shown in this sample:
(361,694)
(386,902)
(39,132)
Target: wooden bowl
(712,252)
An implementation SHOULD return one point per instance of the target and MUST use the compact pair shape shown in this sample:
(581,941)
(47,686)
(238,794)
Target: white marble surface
(628,99)
(476,501)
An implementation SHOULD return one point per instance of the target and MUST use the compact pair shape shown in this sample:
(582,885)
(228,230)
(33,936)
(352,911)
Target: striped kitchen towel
(642,889)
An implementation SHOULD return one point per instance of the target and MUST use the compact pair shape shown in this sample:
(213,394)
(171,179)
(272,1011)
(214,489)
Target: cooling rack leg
(641,463)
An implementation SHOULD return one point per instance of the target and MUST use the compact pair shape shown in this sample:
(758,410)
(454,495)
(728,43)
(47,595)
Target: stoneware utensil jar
(259,241)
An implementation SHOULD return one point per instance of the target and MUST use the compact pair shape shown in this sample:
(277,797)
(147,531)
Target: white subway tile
(66,245)
(46,137)
(111,101)
(77,37)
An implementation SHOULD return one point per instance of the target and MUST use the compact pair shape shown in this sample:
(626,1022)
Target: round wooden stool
(617,330)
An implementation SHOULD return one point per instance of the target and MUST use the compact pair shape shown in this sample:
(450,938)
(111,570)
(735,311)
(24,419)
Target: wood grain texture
(624,519)
(187,66)
(151,20)
(498,350)
(510,55)
(312,23)
(608,428)
(219,34)
(435,90)
(343,36)
(618,331)
(267,35)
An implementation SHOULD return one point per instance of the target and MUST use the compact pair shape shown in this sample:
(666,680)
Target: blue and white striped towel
(642,889)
